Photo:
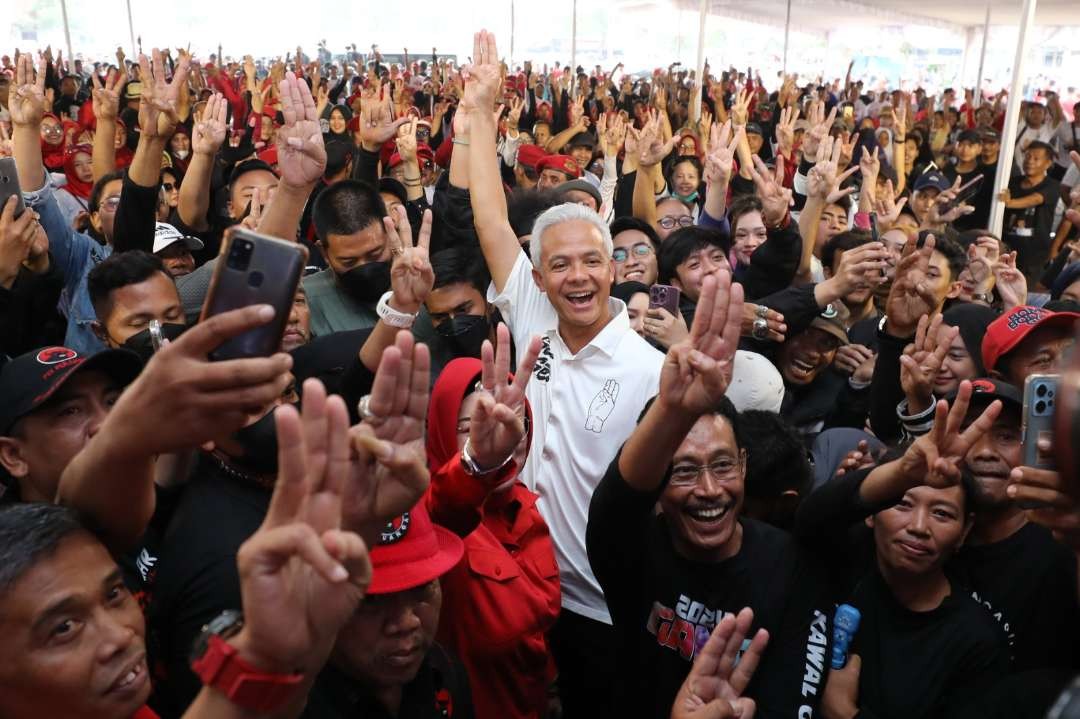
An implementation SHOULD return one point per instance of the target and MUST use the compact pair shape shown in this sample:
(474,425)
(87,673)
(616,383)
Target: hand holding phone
(664,296)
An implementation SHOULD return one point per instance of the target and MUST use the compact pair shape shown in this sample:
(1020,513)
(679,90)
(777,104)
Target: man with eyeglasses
(671,214)
(635,244)
(670,577)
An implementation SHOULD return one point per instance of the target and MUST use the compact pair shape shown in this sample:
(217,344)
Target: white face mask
(182,154)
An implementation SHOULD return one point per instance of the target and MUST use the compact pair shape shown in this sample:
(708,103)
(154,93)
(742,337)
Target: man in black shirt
(670,578)
(968,168)
(1029,201)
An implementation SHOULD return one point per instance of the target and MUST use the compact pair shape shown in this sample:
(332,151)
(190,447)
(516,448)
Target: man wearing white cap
(175,248)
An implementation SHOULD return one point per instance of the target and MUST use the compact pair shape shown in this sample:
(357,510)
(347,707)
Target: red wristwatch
(218,664)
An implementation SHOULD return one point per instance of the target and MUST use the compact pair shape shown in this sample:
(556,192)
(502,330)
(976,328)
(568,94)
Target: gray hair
(566,213)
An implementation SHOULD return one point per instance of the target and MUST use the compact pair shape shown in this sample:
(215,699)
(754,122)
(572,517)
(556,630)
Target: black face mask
(368,282)
(465,333)
(141,344)
(259,441)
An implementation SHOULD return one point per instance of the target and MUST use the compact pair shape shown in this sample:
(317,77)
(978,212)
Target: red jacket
(503,597)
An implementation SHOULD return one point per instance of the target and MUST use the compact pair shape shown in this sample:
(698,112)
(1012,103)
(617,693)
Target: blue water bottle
(845,624)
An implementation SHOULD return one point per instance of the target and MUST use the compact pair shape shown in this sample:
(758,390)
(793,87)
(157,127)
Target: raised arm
(26,104)
(719,165)
(301,160)
(206,137)
(106,104)
(497,239)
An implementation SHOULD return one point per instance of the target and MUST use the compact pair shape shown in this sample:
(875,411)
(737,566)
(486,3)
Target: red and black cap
(985,390)
(29,380)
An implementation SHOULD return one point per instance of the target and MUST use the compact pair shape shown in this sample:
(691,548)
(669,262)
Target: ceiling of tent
(824,15)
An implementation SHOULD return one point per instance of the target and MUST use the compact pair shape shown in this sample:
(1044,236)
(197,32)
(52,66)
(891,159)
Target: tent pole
(1012,118)
(982,58)
(695,98)
(787,31)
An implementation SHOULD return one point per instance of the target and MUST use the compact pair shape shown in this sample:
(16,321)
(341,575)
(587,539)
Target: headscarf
(972,319)
(455,383)
(53,155)
(74,185)
(124,155)
(346,112)
(181,164)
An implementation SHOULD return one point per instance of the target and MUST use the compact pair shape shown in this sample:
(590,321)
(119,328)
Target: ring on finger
(363,408)
(761,329)
(761,311)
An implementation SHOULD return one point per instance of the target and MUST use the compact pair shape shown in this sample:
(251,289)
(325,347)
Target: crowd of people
(598,394)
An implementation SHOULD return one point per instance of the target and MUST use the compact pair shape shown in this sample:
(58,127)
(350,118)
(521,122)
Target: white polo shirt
(584,407)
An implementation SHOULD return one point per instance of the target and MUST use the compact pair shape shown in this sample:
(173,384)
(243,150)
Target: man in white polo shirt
(592,379)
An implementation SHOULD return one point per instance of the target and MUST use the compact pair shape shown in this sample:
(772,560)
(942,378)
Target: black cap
(394,187)
(752,128)
(972,136)
(29,380)
(989,135)
(987,389)
(249,166)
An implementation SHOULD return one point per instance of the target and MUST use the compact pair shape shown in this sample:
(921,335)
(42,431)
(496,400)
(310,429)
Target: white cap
(755,383)
(165,235)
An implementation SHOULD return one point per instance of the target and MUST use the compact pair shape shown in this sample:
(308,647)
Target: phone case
(254,269)
(1040,402)
(9,185)
(664,296)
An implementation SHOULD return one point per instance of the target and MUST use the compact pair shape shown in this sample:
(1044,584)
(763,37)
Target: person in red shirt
(500,601)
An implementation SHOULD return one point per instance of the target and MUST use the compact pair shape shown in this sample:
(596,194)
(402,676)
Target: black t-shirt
(197,578)
(1033,224)
(664,606)
(440,690)
(980,218)
(1029,584)
(923,664)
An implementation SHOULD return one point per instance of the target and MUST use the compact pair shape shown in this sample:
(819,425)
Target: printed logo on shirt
(145,563)
(816,644)
(686,628)
(601,406)
(542,369)
(999,617)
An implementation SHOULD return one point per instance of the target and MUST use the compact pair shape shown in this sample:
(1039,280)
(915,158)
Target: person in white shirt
(590,384)
(1037,127)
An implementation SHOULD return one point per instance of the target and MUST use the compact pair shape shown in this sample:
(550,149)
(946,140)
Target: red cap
(1010,329)
(411,552)
(529,155)
(563,163)
(423,152)
(269,155)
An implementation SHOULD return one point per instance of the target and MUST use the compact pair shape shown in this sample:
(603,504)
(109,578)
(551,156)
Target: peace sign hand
(921,362)
(106,97)
(496,427)
(302,575)
(411,275)
(776,200)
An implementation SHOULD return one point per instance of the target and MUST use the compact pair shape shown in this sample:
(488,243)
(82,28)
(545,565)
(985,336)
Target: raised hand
(887,207)
(1010,282)
(26,101)
(301,152)
(159,99)
(870,167)
(697,371)
(825,179)
(664,327)
(934,458)
(208,133)
(774,330)
(302,574)
(785,130)
(406,140)
(776,200)
(483,76)
(106,97)
(941,213)
(651,145)
(411,276)
(517,105)
(740,109)
(389,474)
(496,427)
(820,124)
(17,236)
(921,362)
(720,162)
(910,296)
(1050,499)
(260,196)
(714,687)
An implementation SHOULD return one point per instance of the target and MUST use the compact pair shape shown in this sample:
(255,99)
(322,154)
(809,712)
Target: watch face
(224,625)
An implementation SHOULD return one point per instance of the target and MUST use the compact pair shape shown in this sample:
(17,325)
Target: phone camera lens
(1040,391)
(1040,407)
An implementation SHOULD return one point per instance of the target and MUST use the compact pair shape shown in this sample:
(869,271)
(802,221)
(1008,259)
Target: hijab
(74,185)
(181,163)
(346,112)
(455,383)
(124,155)
(53,155)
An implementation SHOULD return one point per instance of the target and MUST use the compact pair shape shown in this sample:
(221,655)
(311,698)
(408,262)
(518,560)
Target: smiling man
(670,577)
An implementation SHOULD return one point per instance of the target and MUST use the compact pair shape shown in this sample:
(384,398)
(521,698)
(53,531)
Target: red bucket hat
(412,551)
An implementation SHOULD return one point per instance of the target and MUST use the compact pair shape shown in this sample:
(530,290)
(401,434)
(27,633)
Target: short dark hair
(681,160)
(844,202)
(120,270)
(684,242)
(93,203)
(460,264)
(29,533)
(725,409)
(743,205)
(338,154)
(847,240)
(1046,147)
(628,222)
(954,253)
(776,456)
(346,207)
(524,205)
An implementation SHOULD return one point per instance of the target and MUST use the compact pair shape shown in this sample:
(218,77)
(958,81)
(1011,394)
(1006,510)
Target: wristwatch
(218,664)
(472,468)
(392,317)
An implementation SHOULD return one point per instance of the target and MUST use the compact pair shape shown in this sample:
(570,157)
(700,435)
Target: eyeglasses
(724,468)
(621,254)
(110,203)
(669,222)
(168,186)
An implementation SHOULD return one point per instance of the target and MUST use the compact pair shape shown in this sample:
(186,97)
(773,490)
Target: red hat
(1010,329)
(269,155)
(423,152)
(563,163)
(411,552)
(529,155)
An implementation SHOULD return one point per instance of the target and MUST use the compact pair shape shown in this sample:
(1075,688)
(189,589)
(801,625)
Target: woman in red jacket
(501,599)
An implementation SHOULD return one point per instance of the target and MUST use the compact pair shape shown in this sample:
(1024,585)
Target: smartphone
(966,192)
(9,185)
(1040,401)
(664,296)
(849,113)
(254,269)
